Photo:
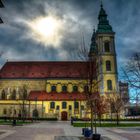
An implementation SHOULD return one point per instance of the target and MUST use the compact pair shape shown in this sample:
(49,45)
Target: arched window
(76,105)
(109,84)
(64,88)
(52,105)
(70,107)
(57,107)
(107,46)
(4,111)
(53,88)
(75,88)
(3,95)
(13,96)
(64,105)
(108,65)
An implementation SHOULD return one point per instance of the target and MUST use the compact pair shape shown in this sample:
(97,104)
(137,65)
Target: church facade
(54,89)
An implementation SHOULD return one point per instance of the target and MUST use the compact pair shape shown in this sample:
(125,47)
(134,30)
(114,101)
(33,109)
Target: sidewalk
(53,131)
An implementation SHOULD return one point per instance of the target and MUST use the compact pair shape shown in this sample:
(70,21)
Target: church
(48,89)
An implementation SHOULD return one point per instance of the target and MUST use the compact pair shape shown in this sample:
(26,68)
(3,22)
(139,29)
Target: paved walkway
(51,131)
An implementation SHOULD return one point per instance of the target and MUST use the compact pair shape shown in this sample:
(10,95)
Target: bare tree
(132,71)
(23,97)
(102,107)
(131,74)
(116,105)
(93,98)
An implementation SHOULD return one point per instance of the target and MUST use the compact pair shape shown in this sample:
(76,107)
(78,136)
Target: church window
(75,88)
(70,107)
(108,65)
(109,84)
(64,88)
(57,107)
(13,96)
(107,46)
(64,105)
(4,111)
(53,88)
(52,105)
(3,95)
(76,105)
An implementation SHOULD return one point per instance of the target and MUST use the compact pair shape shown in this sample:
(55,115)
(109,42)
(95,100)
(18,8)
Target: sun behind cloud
(47,30)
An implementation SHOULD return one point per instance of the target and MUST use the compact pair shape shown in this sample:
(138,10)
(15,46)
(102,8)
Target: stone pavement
(53,131)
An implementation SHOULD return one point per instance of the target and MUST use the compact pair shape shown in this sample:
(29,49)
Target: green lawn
(107,125)
(2,122)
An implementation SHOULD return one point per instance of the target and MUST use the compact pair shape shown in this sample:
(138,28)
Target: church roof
(44,69)
(53,96)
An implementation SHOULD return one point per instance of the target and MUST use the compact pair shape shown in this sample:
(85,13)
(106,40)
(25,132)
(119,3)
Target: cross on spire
(101,3)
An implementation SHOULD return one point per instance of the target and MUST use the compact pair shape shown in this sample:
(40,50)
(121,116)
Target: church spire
(103,25)
(93,47)
(101,3)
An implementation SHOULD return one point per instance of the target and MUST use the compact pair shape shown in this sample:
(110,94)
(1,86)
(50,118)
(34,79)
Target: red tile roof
(53,96)
(44,69)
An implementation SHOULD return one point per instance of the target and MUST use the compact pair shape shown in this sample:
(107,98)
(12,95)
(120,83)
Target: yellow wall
(69,83)
(9,85)
(10,105)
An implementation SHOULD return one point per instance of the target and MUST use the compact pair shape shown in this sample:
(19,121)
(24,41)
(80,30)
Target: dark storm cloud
(80,16)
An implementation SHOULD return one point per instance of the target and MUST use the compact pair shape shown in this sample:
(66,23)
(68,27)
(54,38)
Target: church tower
(103,43)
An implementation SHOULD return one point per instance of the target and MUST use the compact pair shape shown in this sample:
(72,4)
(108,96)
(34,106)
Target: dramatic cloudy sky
(23,35)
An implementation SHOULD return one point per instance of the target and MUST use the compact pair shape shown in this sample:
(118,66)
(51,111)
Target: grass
(9,122)
(107,125)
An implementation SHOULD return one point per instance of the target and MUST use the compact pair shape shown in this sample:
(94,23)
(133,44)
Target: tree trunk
(91,119)
(117,119)
(95,124)
(100,120)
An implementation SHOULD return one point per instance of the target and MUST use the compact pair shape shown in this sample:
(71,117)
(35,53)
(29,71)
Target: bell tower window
(108,65)
(109,84)
(107,46)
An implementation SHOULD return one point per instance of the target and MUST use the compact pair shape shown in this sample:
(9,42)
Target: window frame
(107,47)
(52,105)
(64,88)
(76,105)
(109,85)
(53,88)
(64,105)
(108,65)
(75,88)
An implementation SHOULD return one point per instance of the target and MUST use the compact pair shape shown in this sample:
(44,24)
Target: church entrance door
(64,115)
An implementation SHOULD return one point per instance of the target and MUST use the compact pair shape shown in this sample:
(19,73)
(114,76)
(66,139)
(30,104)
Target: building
(53,89)
(124,91)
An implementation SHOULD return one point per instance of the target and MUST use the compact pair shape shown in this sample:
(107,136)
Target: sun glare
(47,30)
(46,26)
